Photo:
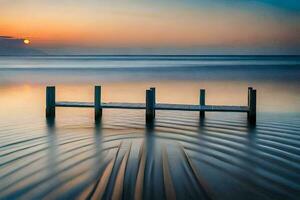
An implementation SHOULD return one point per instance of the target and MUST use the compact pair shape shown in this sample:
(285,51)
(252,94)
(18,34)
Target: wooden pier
(150,105)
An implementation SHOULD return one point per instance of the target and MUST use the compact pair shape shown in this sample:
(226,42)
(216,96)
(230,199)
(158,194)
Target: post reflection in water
(180,156)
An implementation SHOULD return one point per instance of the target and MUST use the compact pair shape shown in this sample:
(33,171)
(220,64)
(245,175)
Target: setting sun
(26,41)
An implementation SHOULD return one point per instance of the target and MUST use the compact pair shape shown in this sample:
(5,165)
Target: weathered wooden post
(149,105)
(97,103)
(252,107)
(249,95)
(154,100)
(50,102)
(202,103)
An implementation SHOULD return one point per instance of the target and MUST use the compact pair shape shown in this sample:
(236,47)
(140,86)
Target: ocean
(220,157)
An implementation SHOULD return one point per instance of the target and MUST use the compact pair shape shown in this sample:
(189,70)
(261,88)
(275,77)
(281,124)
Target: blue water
(89,69)
(144,61)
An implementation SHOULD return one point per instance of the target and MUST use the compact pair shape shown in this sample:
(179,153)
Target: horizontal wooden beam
(159,106)
(208,108)
(75,104)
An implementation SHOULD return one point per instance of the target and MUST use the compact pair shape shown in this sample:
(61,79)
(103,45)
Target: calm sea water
(178,155)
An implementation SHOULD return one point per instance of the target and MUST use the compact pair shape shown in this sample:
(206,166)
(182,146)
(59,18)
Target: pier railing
(150,105)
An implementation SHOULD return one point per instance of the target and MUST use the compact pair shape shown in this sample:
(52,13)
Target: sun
(26,41)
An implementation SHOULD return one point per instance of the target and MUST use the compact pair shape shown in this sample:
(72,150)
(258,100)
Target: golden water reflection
(272,97)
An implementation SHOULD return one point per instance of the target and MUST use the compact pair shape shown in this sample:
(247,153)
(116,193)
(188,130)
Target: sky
(198,26)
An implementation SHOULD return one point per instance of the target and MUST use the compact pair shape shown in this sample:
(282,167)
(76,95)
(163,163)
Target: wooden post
(249,95)
(202,103)
(249,92)
(154,99)
(50,102)
(149,105)
(97,102)
(252,108)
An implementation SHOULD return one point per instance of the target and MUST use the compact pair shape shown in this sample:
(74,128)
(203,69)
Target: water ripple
(175,157)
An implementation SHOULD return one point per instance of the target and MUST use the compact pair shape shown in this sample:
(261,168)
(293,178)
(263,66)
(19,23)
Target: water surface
(178,155)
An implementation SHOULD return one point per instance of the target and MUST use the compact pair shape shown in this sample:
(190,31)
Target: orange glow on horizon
(123,26)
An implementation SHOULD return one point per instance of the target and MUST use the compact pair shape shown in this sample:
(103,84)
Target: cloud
(5,37)
(15,46)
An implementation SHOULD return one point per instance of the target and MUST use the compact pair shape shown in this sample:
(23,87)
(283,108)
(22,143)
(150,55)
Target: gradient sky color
(95,24)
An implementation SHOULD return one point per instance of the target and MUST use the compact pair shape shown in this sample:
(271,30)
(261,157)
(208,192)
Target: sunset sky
(66,25)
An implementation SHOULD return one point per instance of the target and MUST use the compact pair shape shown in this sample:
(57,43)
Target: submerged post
(149,105)
(154,99)
(50,101)
(252,107)
(97,103)
(202,103)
